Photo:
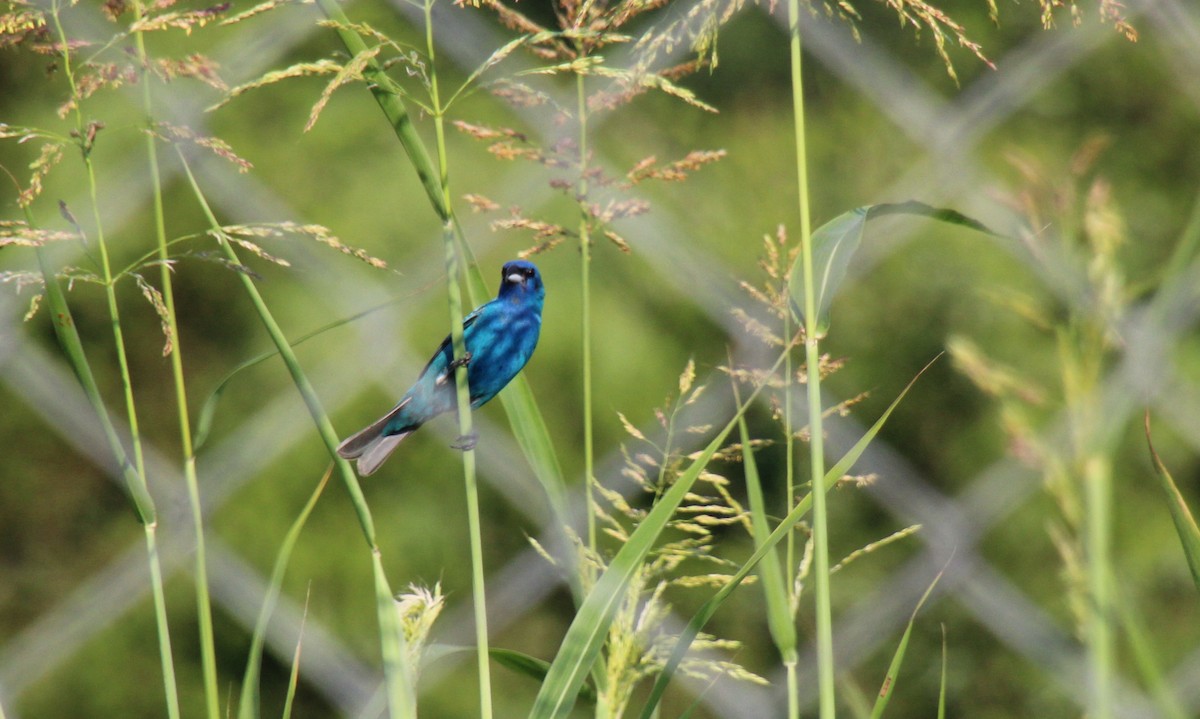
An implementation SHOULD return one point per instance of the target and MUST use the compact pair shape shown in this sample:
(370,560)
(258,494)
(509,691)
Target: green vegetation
(218,255)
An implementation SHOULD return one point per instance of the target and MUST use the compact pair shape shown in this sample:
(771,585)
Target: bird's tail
(371,446)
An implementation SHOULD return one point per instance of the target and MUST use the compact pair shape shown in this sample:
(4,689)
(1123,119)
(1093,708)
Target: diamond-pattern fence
(948,128)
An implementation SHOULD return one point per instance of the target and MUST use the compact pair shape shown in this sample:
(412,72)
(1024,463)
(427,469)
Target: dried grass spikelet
(195,66)
(185,20)
(183,135)
(51,154)
(155,298)
(240,234)
(302,69)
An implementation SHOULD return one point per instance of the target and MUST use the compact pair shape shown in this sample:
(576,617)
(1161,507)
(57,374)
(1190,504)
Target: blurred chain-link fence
(947,128)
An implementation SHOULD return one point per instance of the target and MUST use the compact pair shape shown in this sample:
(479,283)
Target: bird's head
(521,279)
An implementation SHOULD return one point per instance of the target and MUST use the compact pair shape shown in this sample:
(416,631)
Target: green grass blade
(775,592)
(835,242)
(389,97)
(526,419)
(294,677)
(1185,524)
(209,410)
(397,674)
(709,608)
(583,640)
(1144,657)
(248,707)
(68,340)
(942,685)
(528,426)
(585,636)
(889,681)
(534,668)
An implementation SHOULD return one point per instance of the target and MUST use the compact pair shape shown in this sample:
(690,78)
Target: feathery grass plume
(576,46)
(241,234)
(772,306)
(169,132)
(1075,232)
(637,648)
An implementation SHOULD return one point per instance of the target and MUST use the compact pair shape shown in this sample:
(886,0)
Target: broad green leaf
(835,242)
(889,680)
(1185,524)
(706,611)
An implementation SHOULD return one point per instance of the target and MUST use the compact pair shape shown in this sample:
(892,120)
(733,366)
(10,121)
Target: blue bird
(499,337)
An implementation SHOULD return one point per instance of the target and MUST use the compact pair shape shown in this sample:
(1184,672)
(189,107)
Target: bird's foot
(461,362)
(466,442)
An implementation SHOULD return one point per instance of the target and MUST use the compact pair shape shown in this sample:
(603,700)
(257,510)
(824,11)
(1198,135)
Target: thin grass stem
(465,421)
(135,476)
(398,676)
(824,619)
(1097,480)
(203,600)
(585,312)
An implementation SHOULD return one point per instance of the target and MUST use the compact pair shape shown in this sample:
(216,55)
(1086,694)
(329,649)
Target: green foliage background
(62,521)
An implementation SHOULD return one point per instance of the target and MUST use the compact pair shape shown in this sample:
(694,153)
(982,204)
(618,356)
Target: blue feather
(499,337)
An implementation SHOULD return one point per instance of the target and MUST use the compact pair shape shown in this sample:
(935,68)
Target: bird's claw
(460,362)
(466,442)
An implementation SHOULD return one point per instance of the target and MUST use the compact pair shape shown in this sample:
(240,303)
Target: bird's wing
(467,322)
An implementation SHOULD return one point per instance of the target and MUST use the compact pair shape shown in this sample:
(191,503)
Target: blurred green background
(885,123)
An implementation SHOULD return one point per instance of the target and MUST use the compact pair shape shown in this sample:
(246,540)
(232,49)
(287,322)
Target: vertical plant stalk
(528,424)
(203,600)
(135,474)
(1097,479)
(790,661)
(1080,352)
(585,312)
(461,384)
(825,667)
(398,676)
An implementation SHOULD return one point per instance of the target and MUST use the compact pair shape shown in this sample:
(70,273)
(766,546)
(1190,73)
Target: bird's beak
(516,278)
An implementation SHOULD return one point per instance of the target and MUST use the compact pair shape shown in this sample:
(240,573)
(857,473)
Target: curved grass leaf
(534,668)
(889,680)
(942,687)
(248,706)
(775,593)
(1185,523)
(835,242)
(209,410)
(709,608)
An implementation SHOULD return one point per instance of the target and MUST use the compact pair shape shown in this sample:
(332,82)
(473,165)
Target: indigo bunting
(499,337)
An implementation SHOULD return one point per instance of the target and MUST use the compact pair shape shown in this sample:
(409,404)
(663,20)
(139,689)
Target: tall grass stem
(135,476)
(463,390)
(824,618)
(203,600)
(585,310)
(400,687)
